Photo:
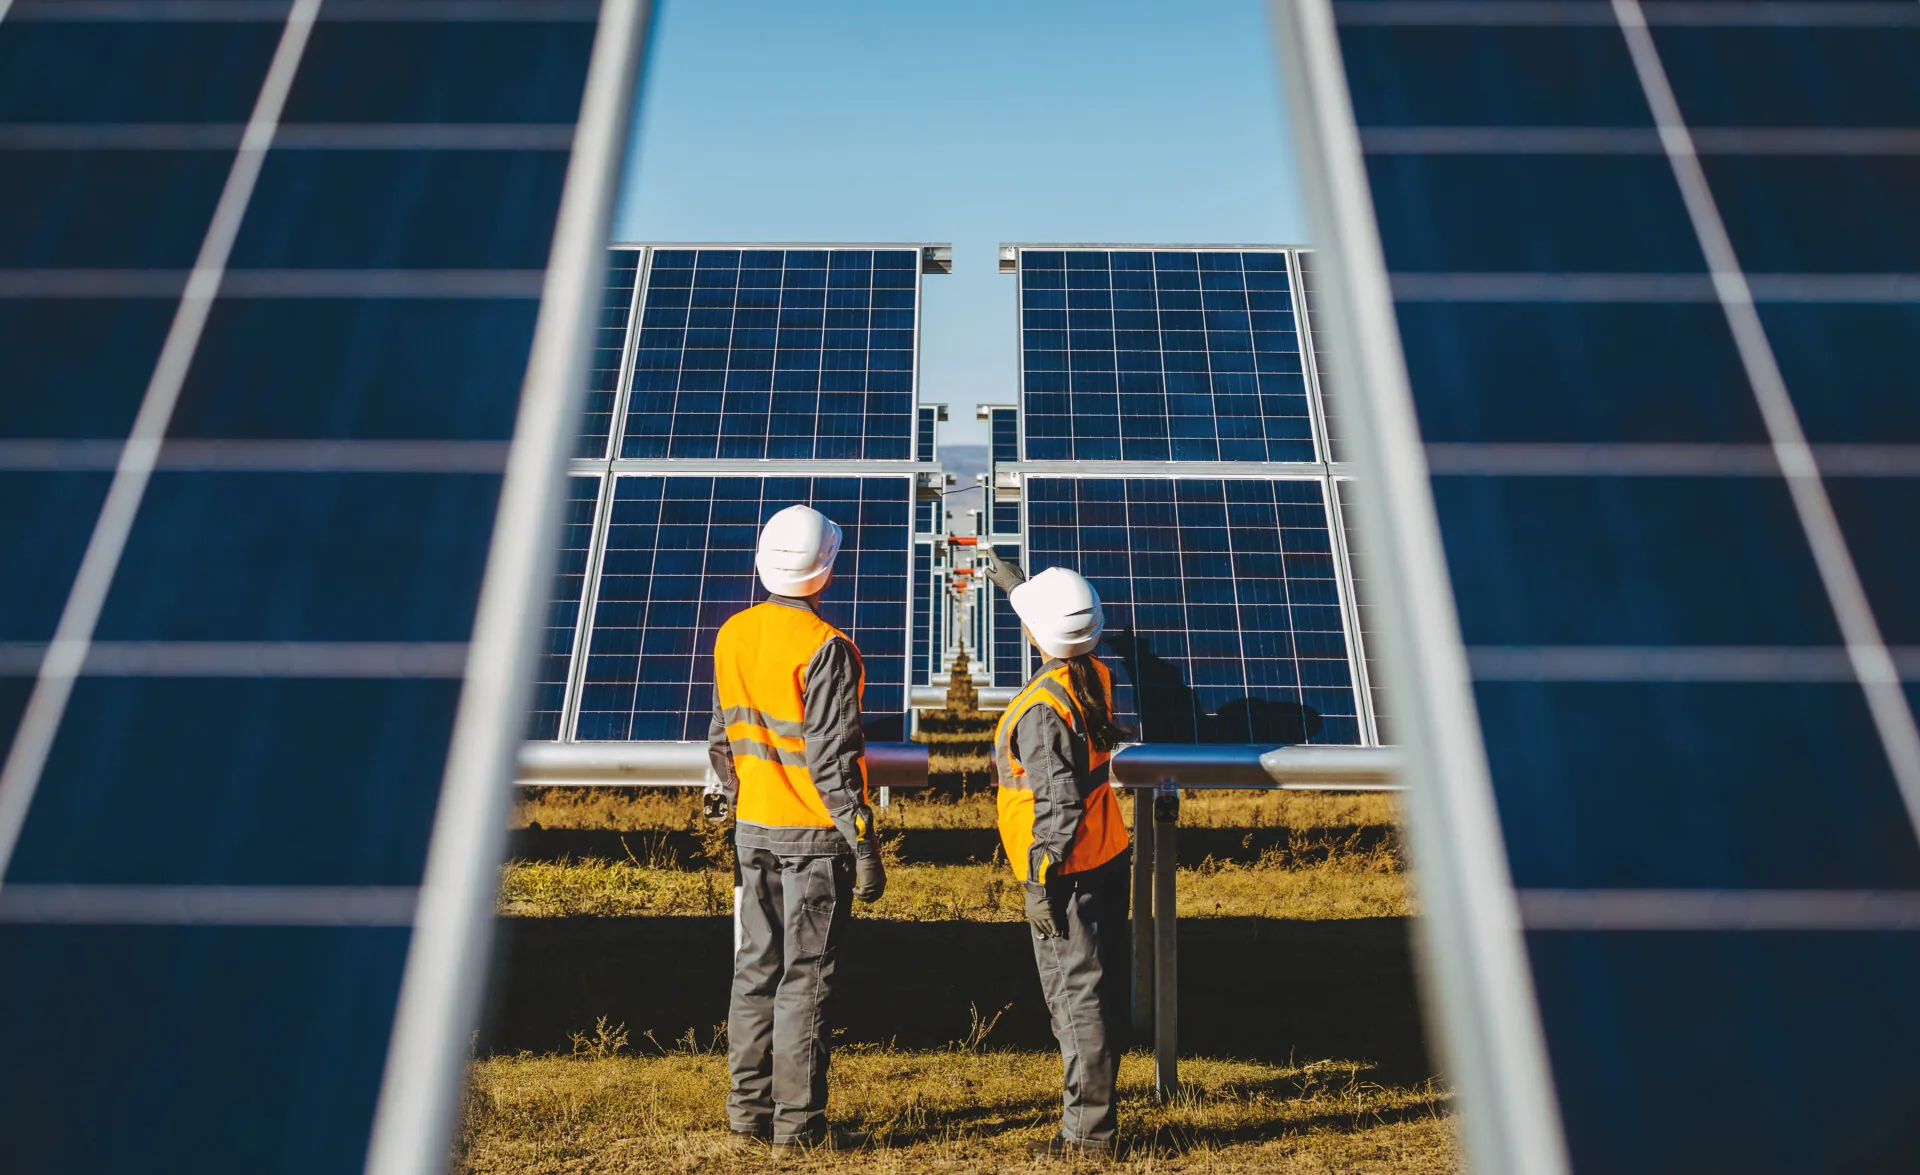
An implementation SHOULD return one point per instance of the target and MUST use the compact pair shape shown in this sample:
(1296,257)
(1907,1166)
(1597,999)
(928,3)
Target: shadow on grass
(1253,988)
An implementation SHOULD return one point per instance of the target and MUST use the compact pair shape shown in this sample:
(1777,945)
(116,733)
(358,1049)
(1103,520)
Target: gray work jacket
(830,709)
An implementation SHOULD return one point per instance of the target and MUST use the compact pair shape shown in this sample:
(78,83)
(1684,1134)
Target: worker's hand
(1005,576)
(869,872)
(1040,912)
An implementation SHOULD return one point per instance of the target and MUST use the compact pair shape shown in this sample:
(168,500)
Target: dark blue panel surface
(1850,368)
(1006,518)
(160,781)
(1675,785)
(1612,372)
(359,369)
(679,562)
(117,72)
(609,352)
(1675,1054)
(1801,75)
(46,519)
(303,557)
(1848,214)
(402,210)
(455,71)
(1220,598)
(1005,428)
(1880,518)
(302,1017)
(1157,355)
(1630,561)
(107,209)
(1009,643)
(77,367)
(925,630)
(1532,214)
(563,609)
(14,692)
(776,353)
(1570,75)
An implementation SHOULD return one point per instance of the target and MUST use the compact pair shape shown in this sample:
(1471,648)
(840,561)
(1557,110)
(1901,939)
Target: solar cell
(679,562)
(255,278)
(1637,259)
(1006,518)
(1221,600)
(1157,355)
(923,436)
(780,354)
(1004,426)
(1009,643)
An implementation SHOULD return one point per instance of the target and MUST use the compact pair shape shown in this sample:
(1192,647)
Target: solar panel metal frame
(1324,469)
(1481,975)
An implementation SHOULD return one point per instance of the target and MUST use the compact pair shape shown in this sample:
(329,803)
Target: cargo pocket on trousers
(812,933)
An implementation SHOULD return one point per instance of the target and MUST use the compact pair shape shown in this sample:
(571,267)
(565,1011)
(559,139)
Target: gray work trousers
(1084,976)
(790,919)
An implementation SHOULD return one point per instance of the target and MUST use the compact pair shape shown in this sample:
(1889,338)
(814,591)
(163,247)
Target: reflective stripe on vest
(760,660)
(1101,835)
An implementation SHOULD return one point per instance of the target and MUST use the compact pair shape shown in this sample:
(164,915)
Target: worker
(1064,838)
(788,752)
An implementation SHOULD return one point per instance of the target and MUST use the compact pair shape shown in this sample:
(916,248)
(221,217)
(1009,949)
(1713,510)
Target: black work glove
(714,806)
(1005,576)
(869,872)
(1040,912)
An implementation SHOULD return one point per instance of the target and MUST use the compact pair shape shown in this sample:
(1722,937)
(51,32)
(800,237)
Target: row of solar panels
(1230,597)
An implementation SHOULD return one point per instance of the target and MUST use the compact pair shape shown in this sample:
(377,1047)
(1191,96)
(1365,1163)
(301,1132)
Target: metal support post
(1143,846)
(1166,959)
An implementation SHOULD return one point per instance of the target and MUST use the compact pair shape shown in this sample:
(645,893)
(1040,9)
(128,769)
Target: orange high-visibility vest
(760,661)
(1101,835)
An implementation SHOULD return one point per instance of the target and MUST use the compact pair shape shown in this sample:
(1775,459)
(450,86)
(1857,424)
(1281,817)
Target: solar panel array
(776,354)
(269,283)
(563,611)
(774,366)
(1212,530)
(679,562)
(609,366)
(1652,279)
(1158,355)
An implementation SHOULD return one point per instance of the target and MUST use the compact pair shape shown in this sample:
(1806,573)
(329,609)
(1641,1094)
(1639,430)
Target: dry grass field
(1316,880)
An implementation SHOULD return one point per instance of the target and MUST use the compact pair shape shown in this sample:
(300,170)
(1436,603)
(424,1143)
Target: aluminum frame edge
(1479,984)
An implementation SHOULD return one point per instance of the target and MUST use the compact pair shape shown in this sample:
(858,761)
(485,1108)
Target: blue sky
(973,122)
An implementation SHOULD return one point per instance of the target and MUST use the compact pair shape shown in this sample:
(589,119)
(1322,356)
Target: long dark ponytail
(1096,704)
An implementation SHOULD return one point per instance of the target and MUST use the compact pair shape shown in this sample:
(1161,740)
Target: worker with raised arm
(1062,830)
(786,746)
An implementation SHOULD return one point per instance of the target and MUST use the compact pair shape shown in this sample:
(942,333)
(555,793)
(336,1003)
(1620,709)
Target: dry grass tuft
(957,1110)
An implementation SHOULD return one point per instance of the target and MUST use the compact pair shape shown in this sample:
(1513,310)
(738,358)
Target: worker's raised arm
(1005,574)
(1044,746)
(836,746)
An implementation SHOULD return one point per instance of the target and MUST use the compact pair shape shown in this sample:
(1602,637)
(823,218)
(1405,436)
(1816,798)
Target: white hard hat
(1061,610)
(796,553)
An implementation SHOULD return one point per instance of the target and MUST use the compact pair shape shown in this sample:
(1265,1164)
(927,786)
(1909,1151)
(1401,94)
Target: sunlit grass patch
(958,1109)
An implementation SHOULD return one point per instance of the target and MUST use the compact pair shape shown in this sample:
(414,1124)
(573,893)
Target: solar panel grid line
(1892,715)
(1657,459)
(440,990)
(1606,140)
(1309,367)
(307,136)
(449,11)
(53,685)
(261,659)
(1489,1021)
(208,905)
(1715,13)
(1719,911)
(1676,288)
(1676,663)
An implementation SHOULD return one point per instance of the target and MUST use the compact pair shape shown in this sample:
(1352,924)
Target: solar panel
(1639,279)
(1004,428)
(272,279)
(776,354)
(1323,385)
(1157,355)
(1009,643)
(1005,518)
(679,562)
(551,676)
(1221,602)
(1366,624)
(923,445)
(609,351)
(926,603)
